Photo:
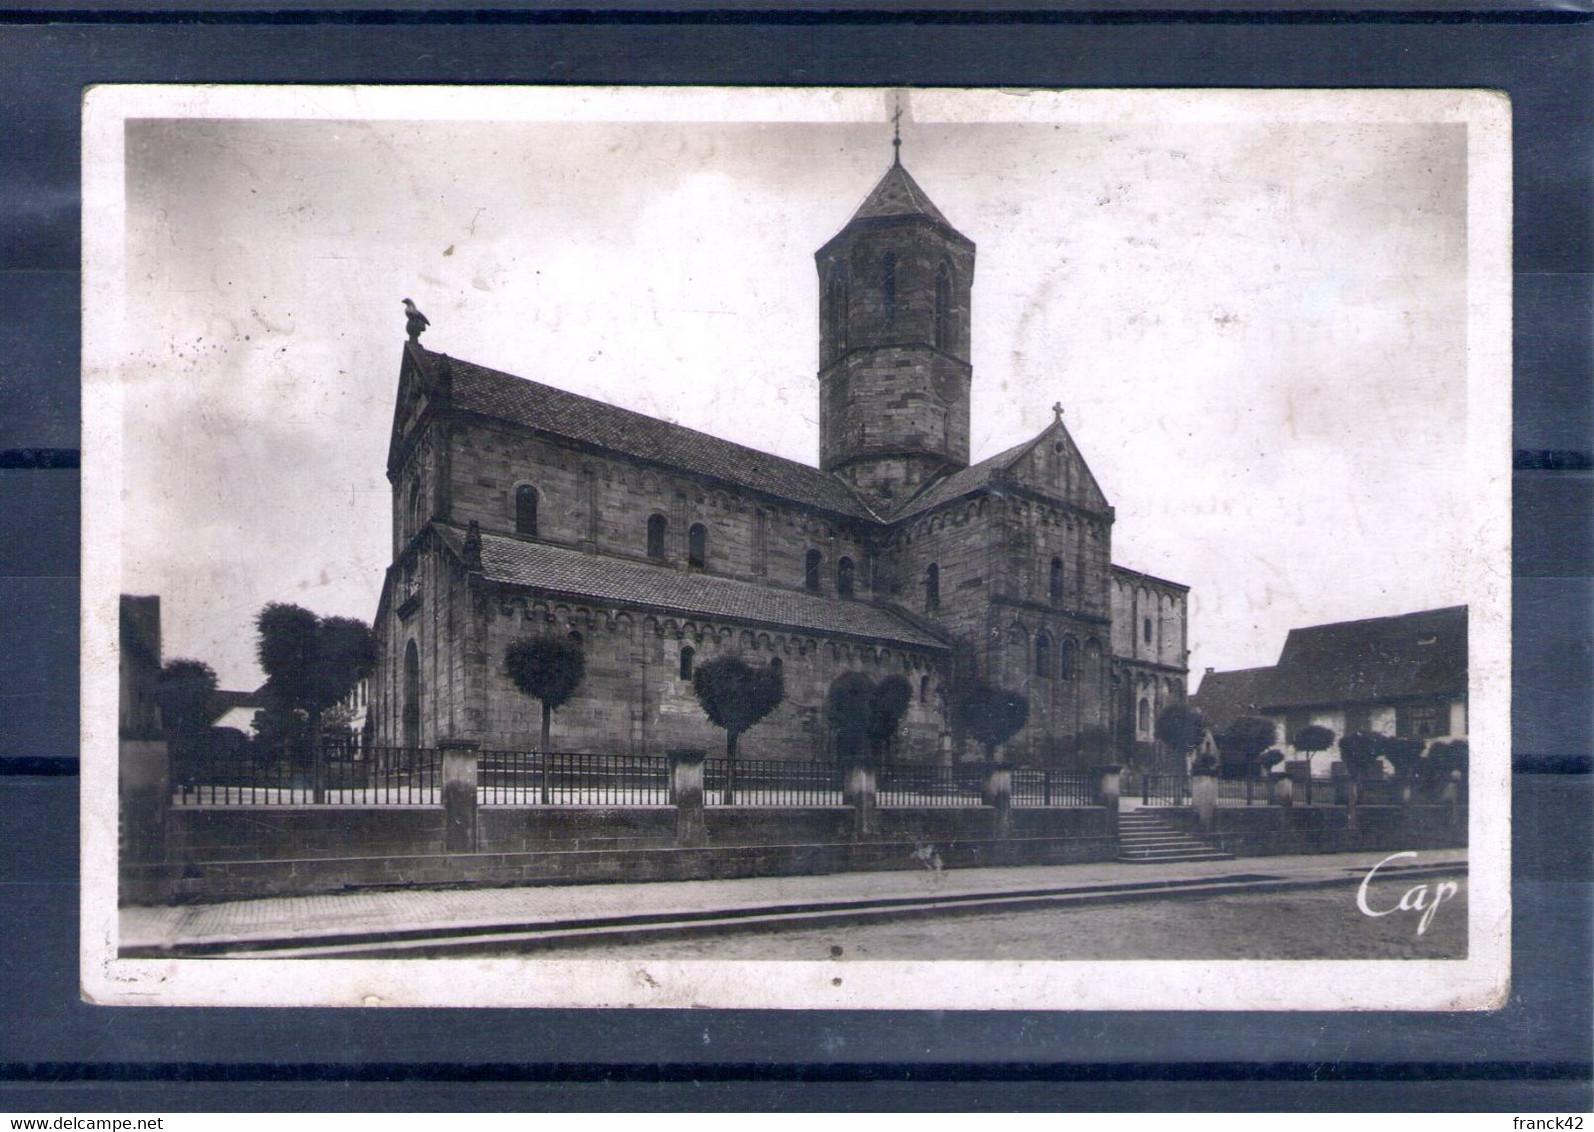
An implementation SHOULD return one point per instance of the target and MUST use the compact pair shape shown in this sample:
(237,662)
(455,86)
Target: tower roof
(898,194)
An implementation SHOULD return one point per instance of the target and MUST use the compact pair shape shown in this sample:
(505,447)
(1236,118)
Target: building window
(837,300)
(776,664)
(811,570)
(1422,721)
(697,545)
(415,518)
(411,725)
(657,525)
(844,572)
(1145,630)
(1070,658)
(932,586)
(1043,655)
(577,639)
(525,510)
(687,653)
(943,308)
(1054,586)
(888,289)
(1143,717)
(924,689)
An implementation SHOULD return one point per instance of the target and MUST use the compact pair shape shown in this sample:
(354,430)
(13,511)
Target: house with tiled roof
(522,509)
(1404,675)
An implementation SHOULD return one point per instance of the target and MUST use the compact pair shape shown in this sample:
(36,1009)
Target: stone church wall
(634,700)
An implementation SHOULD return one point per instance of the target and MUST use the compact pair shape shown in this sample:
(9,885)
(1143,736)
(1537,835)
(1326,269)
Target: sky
(1257,324)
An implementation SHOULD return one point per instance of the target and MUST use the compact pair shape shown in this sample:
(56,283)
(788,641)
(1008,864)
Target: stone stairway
(1144,837)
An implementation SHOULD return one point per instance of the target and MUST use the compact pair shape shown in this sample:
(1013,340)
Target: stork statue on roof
(414,321)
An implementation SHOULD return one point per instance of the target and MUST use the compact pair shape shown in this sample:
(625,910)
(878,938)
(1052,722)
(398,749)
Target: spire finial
(896,133)
(1058,409)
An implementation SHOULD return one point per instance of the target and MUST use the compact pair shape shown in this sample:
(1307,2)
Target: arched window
(943,308)
(697,545)
(415,506)
(888,288)
(657,525)
(525,510)
(1143,716)
(811,570)
(411,725)
(1070,663)
(1055,586)
(924,689)
(1043,655)
(776,664)
(687,653)
(577,639)
(932,586)
(836,297)
(844,572)
(1145,629)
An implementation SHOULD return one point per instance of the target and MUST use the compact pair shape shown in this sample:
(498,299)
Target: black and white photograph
(855,548)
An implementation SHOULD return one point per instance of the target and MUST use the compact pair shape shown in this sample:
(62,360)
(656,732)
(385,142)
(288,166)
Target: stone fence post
(1204,796)
(460,757)
(998,793)
(1283,792)
(859,792)
(686,793)
(145,794)
(1109,788)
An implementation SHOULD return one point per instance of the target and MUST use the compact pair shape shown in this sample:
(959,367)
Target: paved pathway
(373,916)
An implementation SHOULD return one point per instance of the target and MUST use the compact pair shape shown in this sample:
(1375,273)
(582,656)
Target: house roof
(1382,658)
(1378,660)
(554,569)
(222,701)
(898,194)
(1226,696)
(531,404)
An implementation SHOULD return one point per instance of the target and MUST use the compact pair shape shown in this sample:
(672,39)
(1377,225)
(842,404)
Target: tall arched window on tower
(1143,717)
(1054,587)
(1043,654)
(1070,663)
(888,288)
(932,586)
(525,510)
(943,308)
(687,654)
(844,577)
(411,725)
(413,517)
(1145,630)
(657,526)
(811,570)
(697,546)
(836,300)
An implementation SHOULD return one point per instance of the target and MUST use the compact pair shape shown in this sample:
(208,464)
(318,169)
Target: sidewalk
(390,923)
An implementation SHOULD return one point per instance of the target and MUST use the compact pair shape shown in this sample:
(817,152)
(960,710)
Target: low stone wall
(244,853)
(1263,831)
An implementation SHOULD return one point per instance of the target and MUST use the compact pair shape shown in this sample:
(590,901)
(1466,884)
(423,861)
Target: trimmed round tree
(1312,739)
(992,715)
(183,692)
(1243,741)
(548,669)
(1181,727)
(735,695)
(888,703)
(847,711)
(1406,756)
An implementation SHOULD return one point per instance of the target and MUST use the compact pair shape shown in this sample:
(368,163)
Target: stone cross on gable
(1058,409)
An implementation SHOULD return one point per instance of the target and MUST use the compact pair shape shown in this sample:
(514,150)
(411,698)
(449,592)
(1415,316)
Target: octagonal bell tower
(894,372)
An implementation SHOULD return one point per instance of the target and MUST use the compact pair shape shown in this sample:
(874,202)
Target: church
(520,509)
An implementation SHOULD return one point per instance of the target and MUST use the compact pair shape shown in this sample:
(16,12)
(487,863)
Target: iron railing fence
(1165,790)
(571,778)
(1053,788)
(339,776)
(1243,792)
(930,786)
(771,782)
